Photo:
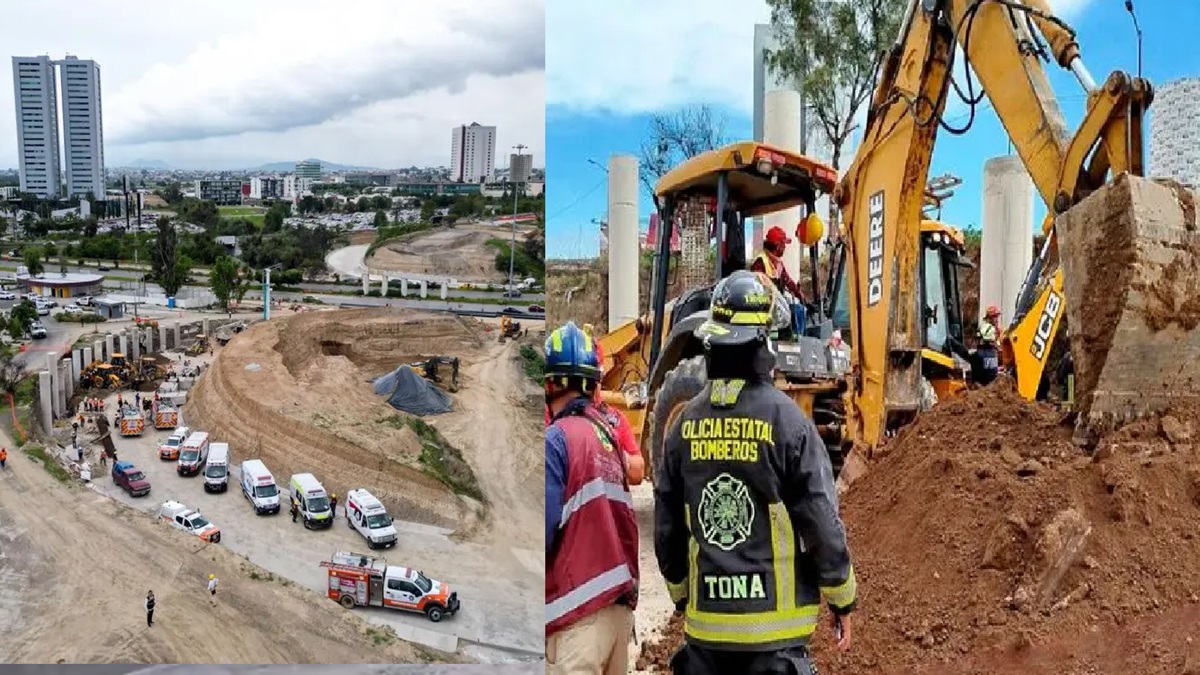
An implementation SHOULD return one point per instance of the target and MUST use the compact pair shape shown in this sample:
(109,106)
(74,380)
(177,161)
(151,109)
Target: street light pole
(512,251)
(266,292)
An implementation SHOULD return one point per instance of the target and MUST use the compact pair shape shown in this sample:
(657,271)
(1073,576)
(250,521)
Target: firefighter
(988,351)
(744,482)
(149,608)
(591,531)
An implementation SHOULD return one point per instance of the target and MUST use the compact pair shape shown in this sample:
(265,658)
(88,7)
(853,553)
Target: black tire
(681,385)
(435,613)
(372,545)
(347,601)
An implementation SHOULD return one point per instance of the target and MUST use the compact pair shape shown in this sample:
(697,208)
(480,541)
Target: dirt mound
(460,252)
(296,393)
(985,530)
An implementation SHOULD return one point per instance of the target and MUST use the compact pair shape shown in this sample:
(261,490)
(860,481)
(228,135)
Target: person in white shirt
(212,588)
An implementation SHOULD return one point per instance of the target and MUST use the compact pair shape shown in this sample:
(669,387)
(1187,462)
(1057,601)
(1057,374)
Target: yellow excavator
(884,338)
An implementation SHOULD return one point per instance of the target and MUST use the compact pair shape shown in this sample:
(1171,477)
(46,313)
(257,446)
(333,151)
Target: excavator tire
(682,383)
(1130,255)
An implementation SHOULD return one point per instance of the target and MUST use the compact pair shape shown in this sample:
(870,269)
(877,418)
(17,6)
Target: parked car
(72,309)
(37,331)
(7,295)
(50,302)
(128,476)
(189,520)
(43,309)
(514,293)
(536,309)
(84,301)
(104,268)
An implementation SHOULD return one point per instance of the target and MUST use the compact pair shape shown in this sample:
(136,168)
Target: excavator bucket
(1130,255)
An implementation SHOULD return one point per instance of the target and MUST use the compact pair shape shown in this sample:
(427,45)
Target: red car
(128,476)
(537,309)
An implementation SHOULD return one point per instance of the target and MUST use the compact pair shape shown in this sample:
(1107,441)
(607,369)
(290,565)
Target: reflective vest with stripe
(595,561)
(768,266)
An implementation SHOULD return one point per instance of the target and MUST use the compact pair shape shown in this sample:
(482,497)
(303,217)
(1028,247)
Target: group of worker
(747,533)
(93,405)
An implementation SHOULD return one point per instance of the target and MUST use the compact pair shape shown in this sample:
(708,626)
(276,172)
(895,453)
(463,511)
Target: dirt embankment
(296,393)
(587,288)
(75,568)
(460,252)
(986,542)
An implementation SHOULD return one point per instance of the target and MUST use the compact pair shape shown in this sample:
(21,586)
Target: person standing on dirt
(212,589)
(295,510)
(988,351)
(149,608)
(333,505)
(3,457)
(745,500)
(591,530)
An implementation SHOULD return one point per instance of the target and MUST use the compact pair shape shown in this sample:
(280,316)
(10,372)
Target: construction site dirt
(986,541)
(461,252)
(296,393)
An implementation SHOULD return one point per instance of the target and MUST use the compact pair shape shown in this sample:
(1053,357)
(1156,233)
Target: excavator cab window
(939,279)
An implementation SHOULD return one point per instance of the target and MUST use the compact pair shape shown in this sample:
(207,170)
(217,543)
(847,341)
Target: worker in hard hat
(988,352)
(770,262)
(591,529)
(212,588)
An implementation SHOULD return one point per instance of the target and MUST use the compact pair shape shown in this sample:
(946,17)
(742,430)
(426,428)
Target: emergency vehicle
(192,454)
(169,449)
(189,520)
(361,580)
(365,514)
(132,422)
(165,414)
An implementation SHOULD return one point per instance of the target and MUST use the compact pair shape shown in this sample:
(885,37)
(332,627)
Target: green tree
(166,240)
(244,281)
(176,275)
(273,221)
(381,220)
(21,319)
(3,226)
(62,259)
(831,49)
(427,209)
(223,279)
(32,257)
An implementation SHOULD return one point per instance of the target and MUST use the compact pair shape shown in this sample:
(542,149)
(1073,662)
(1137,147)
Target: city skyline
(238,86)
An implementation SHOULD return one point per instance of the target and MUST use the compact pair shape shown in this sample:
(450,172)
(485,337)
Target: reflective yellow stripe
(678,591)
(749,629)
(783,551)
(725,392)
(768,267)
(556,340)
(750,318)
(587,342)
(843,594)
(693,565)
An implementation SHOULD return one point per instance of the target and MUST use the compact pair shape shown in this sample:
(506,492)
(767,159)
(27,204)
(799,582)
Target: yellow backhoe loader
(885,338)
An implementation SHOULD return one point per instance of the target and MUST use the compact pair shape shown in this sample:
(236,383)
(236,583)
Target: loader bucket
(1130,255)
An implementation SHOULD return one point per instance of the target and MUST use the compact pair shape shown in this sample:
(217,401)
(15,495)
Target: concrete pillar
(1007,244)
(623,255)
(55,389)
(781,128)
(206,328)
(178,335)
(108,345)
(69,383)
(404,288)
(44,392)
(123,343)
(135,346)
(76,363)
(162,337)
(424,289)
(87,357)
(445,290)
(366,283)
(98,350)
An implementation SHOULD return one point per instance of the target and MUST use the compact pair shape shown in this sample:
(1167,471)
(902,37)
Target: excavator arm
(882,192)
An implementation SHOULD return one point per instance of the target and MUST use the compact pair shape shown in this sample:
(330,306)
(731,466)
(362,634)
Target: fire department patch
(726,512)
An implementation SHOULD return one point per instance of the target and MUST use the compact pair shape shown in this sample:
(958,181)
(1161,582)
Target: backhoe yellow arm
(881,193)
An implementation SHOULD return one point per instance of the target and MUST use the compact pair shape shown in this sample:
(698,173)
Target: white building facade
(472,153)
(36,100)
(266,187)
(1175,131)
(83,126)
(294,187)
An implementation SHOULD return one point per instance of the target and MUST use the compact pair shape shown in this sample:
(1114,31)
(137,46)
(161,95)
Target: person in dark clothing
(333,506)
(149,608)
(295,511)
(747,533)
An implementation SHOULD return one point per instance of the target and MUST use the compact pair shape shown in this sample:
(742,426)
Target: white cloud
(347,82)
(630,57)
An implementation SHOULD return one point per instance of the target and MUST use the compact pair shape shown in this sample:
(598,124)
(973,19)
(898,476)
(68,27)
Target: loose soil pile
(296,393)
(460,252)
(985,541)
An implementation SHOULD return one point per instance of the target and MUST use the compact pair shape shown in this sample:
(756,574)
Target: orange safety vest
(3,454)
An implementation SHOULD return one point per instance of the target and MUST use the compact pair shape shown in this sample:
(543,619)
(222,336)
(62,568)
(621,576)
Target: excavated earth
(296,394)
(986,541)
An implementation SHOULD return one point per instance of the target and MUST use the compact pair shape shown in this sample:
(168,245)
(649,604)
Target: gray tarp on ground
(408,391)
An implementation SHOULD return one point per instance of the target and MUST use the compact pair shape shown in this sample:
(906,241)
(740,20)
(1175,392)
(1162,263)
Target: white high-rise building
(295,186)
(1175,131)
(35,96)
(472,153)
(83,127)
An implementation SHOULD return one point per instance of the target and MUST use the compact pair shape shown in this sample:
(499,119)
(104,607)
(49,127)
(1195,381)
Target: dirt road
(74,571)
(460,252)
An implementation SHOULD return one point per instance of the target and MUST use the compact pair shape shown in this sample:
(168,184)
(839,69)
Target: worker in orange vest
(3,457)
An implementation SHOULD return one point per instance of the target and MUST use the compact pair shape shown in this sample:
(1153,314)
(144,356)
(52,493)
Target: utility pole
(512,251)
(266,292)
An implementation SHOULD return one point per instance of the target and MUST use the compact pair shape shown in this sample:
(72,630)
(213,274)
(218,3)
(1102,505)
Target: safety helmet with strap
(740,312)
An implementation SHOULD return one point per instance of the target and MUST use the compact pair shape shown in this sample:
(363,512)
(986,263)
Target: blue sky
(655,57)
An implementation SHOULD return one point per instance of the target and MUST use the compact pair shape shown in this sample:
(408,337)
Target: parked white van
(258,486)
(310,497)
(216,468)
(366,515)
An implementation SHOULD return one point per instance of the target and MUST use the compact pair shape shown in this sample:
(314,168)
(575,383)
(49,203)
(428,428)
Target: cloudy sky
(664,55)
(229,83)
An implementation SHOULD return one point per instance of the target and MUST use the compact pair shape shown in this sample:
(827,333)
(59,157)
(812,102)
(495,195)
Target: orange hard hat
(776,235)
(993,310)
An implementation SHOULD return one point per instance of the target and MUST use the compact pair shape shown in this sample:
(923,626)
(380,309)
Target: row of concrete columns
(56,384)
(422,285)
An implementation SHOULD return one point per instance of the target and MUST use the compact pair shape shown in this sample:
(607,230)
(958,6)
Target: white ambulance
(366,515)
(259,488)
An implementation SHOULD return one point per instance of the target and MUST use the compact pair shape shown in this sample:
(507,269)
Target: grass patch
(82,317)
(443,461)
(52,466)
(240,210)
(535,363)
(392,232)
(381,636)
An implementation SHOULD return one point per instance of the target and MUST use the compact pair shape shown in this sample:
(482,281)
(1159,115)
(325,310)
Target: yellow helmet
(810,230)
(212,576)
